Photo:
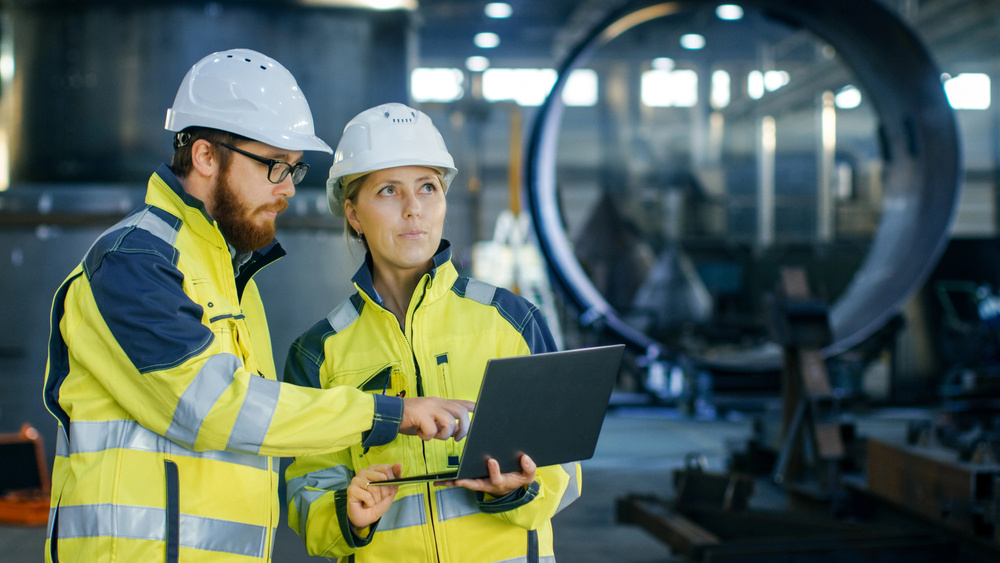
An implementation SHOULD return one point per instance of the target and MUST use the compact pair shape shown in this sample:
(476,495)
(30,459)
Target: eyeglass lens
(279,170)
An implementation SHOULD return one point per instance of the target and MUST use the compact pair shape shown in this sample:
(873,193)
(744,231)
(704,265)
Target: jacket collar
(166,192)
(435,282)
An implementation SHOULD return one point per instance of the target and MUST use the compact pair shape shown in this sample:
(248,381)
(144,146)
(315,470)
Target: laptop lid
(550,406)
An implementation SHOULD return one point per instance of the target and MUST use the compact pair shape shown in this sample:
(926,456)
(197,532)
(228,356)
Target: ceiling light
(848,97)
(729,12)
(663,63)
(486,40)
(372,4)
(498,10)
(477,63)
(693,41)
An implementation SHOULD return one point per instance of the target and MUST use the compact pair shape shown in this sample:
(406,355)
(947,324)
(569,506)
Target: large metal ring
(919,145)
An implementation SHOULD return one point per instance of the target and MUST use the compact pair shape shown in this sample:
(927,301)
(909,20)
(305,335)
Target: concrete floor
(637,451)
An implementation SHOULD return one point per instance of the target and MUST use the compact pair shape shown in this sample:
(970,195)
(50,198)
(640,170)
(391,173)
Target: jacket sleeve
(317,504)
(555,487)
(171,373)
(317,485)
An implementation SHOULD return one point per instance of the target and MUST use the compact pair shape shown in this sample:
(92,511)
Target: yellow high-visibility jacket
(453,326)
(161,375)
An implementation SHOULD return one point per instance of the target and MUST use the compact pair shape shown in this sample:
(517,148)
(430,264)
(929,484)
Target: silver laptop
(550,406)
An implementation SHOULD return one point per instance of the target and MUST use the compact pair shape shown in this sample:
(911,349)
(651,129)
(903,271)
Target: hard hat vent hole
(247,60)
(407,120)
(262,67)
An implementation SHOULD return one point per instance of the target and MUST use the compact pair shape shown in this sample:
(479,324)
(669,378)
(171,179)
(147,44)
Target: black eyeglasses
(277,170)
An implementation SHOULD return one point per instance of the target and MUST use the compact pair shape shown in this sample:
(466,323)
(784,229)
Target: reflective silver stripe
(212,534)
(542,559)
(255,416)
(144,523)
(62,448)
(572,488)
(157,226)
(303,501)
(97,436)
(148,221)
(403,513)
(52,520)
(455,502)
(480,292)
(197,400)
(329,479)
(342,317)
(94,520)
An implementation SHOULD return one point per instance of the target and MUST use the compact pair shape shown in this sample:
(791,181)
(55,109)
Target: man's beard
(238,222)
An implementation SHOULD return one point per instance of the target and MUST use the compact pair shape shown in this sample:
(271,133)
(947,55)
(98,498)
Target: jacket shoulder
(148,230)
(520,313)
(308,351)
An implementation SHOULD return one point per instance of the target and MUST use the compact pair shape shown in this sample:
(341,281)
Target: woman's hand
(499,484)
(366,504)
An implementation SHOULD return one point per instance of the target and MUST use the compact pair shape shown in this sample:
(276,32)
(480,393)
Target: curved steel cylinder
(919,142)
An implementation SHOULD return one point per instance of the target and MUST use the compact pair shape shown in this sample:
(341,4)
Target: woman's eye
(429,187)
(388,190)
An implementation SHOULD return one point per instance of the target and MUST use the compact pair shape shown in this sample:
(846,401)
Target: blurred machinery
(834,495)
(24,478)
(676,266)
(674,261)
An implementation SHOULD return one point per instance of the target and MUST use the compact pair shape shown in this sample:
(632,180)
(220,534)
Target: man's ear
(204,159)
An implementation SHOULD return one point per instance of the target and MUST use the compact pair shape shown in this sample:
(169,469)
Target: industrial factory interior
(788,211)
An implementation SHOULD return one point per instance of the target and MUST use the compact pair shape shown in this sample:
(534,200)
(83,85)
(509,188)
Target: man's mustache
(278,207)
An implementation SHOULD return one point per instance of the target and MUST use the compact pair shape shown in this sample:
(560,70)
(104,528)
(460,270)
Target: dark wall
(84,111)
(93,80)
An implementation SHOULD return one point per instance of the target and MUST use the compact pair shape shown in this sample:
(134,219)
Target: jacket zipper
(420,393)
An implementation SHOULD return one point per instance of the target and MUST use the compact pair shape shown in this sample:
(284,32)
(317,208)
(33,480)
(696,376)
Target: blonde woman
(414,328)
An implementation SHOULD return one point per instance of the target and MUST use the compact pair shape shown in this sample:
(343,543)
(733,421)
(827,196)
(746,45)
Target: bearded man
(160,369)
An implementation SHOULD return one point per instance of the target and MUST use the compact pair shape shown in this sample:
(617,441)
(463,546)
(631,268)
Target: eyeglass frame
(271,163)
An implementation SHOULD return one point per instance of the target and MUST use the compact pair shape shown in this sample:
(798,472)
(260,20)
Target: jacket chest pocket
(234,334)
(226,321)
(385,379)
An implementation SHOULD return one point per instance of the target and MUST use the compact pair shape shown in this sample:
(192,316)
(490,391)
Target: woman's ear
(351,214)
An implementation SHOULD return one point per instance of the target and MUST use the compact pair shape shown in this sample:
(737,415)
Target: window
(721,93)
(669,88)
(436,84)
(581,88)
(970,90)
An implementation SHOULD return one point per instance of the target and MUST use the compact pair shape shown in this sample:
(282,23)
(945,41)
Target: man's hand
(365,505)
(434,417)
(498,484)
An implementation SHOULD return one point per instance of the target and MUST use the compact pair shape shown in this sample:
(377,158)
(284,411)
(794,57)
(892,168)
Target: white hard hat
(382,137)
(247,93)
